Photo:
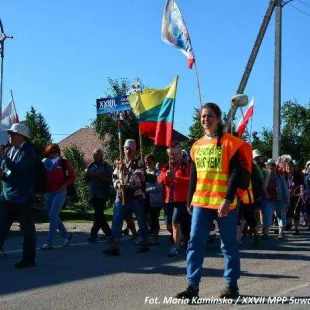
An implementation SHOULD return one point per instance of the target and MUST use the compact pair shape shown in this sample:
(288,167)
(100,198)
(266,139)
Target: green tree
(40,135)
(79,165)
(106,126)
(295,133)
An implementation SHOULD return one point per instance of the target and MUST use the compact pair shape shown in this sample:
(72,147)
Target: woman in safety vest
(216,171)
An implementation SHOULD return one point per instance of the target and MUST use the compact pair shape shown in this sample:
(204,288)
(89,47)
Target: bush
(77,160)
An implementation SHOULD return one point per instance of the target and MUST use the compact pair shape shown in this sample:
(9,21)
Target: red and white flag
(9,117)
(245,119)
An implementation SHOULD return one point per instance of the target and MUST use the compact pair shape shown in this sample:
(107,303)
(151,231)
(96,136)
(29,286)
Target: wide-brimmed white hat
(256,153)
(21,129)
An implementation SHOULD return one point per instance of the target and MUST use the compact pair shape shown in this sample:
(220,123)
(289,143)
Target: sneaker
(46,246)
(67,240)
(280,236)
(256,241)
(25,264)
(190,294)
(142,248)
(230,292)
(174,252)
(265,237)
(296,232)
(92,239)
(112,251)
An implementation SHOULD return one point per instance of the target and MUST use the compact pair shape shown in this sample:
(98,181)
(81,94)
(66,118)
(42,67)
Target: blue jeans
(267,209)
(54,203)
(119,214)
(202,219)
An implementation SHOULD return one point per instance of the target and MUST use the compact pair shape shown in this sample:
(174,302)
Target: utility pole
(3,37)
(277,82)
(251,61)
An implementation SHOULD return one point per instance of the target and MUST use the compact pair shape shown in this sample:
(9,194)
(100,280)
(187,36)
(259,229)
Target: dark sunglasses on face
(148,162)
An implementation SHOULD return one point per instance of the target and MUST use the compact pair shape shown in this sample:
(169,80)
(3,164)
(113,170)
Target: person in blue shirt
(99,179)
(17,174)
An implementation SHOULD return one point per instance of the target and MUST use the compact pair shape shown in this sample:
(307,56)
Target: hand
(63,188)
(223,210)
(1,172)
(190,209)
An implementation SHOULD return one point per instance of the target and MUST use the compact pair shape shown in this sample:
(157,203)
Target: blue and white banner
(112,105)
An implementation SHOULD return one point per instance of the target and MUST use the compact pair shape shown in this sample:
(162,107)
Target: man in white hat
(134,189)
(17,174)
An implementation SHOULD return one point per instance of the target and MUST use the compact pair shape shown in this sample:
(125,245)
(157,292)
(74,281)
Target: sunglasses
(148,162)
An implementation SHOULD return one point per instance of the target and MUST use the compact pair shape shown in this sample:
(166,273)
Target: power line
(304,3)
(300,10)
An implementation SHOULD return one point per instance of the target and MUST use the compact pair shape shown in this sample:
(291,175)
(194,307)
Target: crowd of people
(221,180)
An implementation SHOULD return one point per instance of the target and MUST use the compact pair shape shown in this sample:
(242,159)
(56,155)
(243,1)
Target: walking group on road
(220,180)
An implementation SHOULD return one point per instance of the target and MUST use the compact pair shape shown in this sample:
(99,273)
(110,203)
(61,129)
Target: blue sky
(64,50)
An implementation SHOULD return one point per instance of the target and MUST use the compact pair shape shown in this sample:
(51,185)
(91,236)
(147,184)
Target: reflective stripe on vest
(212,165)
(247,196)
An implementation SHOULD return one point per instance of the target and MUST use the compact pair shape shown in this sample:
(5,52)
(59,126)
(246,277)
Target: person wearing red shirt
(57,179)
(175,177)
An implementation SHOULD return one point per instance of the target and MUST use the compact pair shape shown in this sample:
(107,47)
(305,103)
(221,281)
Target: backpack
(245,157)
(71,190)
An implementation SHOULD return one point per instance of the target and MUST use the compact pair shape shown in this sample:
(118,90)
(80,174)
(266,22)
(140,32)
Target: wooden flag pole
(198,84)
(141,144)
(120,147)
(12,97)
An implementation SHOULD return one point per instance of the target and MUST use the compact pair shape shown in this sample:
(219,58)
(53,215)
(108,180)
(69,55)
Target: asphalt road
(80,277)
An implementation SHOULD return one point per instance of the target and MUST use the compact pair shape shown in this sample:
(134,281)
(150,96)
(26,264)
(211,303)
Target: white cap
(256,153)
(308,163)
(20,128)
(270,162)
(130,143)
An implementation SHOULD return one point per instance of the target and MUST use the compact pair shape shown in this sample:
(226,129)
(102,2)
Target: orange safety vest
(212,165)
(246,196)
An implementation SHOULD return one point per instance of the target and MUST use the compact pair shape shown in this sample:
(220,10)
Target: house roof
(84,139)
(87,141)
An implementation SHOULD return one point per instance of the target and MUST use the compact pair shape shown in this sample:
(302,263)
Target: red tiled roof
(85,139)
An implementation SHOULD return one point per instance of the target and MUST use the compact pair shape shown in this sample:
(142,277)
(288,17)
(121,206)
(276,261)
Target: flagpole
(198,84)
(12,97)
(119,133)
(141,145)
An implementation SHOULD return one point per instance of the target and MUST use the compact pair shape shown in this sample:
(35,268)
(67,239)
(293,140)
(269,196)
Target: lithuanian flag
(154,109)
